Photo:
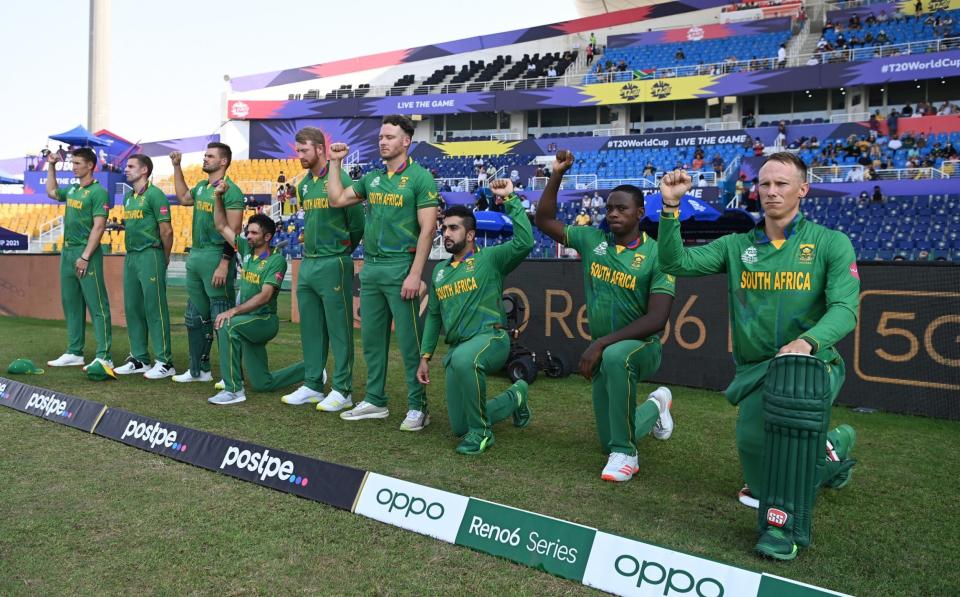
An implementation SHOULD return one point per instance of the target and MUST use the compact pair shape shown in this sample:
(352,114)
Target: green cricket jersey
(205,233)
(142,214)
(392,202)
(83,204)
(617,280)
(807,288)
(267,267)
(328,231)
(467,296)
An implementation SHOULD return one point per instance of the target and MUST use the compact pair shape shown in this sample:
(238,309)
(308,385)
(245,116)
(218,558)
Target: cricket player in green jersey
(148,239)
(793,291)
(82,286)
(244,330)
(401,220)
(325,281)
(466,298)
(211,271)
(628,302)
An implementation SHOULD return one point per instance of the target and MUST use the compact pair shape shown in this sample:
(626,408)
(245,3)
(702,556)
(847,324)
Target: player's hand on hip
(563,161)
(590,359)
(411,287)
(423,372)
(220,275)
(798,346)
(338,151)
(501,187)
(175,157)
(674,185)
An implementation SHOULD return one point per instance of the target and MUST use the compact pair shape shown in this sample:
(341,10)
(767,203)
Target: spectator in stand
(622,66)
(482,203)
(649,169)
(740,191)
(907,111)
(597,202)
(753,197)
(946,109)
(757,147)
(585,202)
(540,172)
(679,55)
(482,178)
(515,177)
(782,56)
(251,202)
(593,39)
(877,194)
(491,171)
(918,8)
(749,121)
(698,162)
(892,123)
(870,174)
(281,179)
(781,140)
(582,219)
(718,165)
(552,71)
(589,54)
(882,17)
(882,38)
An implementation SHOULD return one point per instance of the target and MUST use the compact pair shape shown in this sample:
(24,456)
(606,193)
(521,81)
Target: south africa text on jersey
(454,288)
(775,280)
(611,276)
(391,199)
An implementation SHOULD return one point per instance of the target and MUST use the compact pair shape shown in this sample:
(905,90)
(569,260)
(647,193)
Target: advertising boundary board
(543,542)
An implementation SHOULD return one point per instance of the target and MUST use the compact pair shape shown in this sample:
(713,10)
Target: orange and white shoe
(620,467)
(663,428)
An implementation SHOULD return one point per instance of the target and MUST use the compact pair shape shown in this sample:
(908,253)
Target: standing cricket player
(325,282)
(148,239)
(628,302)
(793,290)
(466,298)
(401,212)
(244,330)
(210,267)
(82,286)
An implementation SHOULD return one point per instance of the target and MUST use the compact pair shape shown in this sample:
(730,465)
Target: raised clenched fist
(502,187)
(563,162)
(674,185)
(175,157)
(338,151)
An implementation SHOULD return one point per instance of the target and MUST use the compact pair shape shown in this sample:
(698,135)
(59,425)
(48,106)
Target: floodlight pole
(98,66)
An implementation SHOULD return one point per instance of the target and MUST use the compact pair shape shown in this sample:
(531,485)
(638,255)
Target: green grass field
(84,515)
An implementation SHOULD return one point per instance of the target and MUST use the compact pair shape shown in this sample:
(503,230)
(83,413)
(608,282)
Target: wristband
(85,259)
(671,205)
(229,252)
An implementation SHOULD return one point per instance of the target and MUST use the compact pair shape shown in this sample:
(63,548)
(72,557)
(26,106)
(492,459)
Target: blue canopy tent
(81,137)
(690,207)
(492,224)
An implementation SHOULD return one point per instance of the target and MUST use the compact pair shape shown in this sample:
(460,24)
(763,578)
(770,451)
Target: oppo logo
(262,464)
(409,505)
(47,404)
(675,581)
(153,434)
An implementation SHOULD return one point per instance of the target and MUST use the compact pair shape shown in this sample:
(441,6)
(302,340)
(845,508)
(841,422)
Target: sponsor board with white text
(411,506)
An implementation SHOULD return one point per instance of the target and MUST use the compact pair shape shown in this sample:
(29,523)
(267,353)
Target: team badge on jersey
(440,276)
(637,261)
(375,182)
(806,253)
(749,255)
(601,249)
(403,182)
(469,264)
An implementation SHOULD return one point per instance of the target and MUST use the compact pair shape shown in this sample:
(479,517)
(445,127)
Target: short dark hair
(790,159)
(86,154)
(144,161)
(401,121)
(225,150)
(631,190)
(267,225)
(463,212)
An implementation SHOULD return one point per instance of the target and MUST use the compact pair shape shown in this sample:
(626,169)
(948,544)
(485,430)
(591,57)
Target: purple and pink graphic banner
(883,70)
(275,139)
(698,33)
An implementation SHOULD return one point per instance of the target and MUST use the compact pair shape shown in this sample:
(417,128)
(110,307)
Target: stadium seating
(898,31)
(242,172)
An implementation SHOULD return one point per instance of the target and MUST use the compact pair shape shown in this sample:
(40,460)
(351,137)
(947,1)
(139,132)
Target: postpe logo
(49,405)
(153,434)
(674,581)
(262,464)
(409,505)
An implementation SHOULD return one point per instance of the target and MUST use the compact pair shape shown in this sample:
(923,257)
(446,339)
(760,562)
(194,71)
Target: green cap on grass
(100,371)
(24,367)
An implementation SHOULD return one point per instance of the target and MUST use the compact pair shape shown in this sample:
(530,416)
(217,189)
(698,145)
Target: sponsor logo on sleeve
(413,507)
(854,271)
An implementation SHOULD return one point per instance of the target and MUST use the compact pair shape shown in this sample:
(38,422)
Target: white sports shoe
(132,365)
(335,401)
(66,360)
(186,377)
(225,397)
(302,395)
(663,428)
(415,421)
(746,498)
(160,371)
(365,410)
(106,362)
(620,467)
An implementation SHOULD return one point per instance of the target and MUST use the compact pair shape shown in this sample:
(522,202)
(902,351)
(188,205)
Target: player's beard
(456,248)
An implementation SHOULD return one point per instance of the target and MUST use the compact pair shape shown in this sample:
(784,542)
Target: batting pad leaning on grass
(584,554)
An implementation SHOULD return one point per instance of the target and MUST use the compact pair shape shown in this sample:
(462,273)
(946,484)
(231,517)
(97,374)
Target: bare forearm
(424,244)
(166,240)
(180,187)
(52,181)
(256,301)
(546,217)
(93,241)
